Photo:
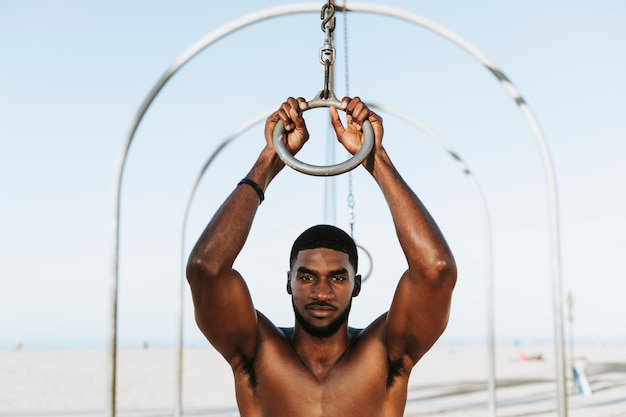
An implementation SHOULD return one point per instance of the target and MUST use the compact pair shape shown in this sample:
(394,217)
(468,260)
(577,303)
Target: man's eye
(339,278)
(306,277)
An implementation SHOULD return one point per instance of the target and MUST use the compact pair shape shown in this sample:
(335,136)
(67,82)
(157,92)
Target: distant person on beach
(322,367)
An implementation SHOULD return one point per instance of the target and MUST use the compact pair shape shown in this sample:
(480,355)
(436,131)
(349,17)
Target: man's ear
(289,283)
(357,285)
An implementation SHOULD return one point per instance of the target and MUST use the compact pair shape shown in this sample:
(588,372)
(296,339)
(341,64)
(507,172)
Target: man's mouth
(320,306)
(320,309)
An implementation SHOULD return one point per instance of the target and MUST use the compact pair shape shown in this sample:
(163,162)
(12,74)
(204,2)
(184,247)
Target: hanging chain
(351,217)
(351,203)
(327,51)
(345,47)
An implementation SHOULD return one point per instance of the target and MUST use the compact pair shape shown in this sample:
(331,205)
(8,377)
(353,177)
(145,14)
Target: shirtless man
(322,367)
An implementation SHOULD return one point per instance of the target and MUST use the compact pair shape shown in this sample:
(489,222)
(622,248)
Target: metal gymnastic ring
(365,276)
(320,170)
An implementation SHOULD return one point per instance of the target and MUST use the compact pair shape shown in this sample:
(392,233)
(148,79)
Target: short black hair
(325,236)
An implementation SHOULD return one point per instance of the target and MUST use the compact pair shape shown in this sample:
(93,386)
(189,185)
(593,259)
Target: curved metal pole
(491,351)
(370,8)
(183,258)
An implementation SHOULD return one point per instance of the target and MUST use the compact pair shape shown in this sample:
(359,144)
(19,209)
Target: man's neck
(320,354)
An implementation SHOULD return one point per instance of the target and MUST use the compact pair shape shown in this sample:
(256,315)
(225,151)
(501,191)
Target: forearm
(422,242)
(224,237)
(421,304)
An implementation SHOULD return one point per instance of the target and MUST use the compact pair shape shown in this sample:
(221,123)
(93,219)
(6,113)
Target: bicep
(418,316)
(225,314)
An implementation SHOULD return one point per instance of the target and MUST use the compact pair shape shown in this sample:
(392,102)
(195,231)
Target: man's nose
(322,291)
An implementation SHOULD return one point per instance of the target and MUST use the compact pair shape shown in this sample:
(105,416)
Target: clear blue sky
(74,73)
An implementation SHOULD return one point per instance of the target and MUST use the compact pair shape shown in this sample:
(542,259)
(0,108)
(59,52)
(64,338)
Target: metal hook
(326,18)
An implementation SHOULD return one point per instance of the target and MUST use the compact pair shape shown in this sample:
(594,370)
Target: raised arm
(223,307)
(419,312)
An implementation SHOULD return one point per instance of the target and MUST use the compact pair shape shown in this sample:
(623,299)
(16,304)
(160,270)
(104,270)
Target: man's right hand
(296,133)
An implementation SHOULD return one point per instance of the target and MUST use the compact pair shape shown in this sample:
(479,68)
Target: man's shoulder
(377,327)
(267,327)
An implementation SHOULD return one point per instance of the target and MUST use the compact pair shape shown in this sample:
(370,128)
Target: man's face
(322,283)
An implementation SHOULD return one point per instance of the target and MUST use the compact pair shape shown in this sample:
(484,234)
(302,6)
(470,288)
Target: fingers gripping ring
(321,170)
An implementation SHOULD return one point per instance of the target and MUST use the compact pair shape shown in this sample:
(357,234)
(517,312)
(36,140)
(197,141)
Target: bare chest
(280,384)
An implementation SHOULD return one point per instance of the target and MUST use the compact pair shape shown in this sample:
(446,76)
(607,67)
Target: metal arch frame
(488,246)
(223,31)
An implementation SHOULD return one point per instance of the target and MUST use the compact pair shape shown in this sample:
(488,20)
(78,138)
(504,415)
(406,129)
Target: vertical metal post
(570,319)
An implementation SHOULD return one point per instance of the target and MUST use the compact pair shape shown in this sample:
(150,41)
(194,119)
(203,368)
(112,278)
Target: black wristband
(255,186)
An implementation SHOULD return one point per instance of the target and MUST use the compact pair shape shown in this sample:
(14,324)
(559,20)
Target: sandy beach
(449,381)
